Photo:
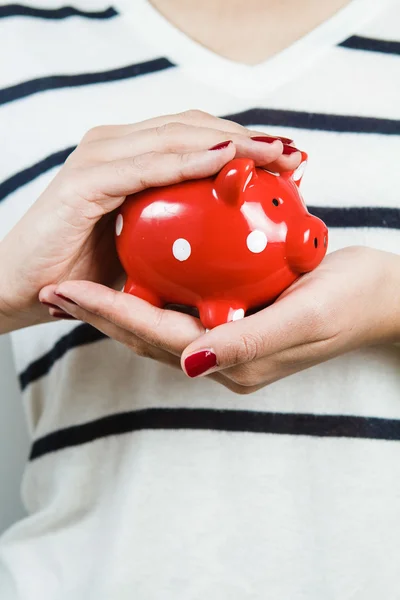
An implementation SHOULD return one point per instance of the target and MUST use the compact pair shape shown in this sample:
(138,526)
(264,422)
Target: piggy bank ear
(298,173)
(233,180)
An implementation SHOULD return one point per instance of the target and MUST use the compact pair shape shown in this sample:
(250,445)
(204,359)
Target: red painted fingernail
(285,140)
(221,145)
(63,315)
(65,298)
(270,139)
(50,305)
(200,362)
(289,149)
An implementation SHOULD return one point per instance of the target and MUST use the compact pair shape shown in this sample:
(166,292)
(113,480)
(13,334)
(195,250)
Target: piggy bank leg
(140,292)
(216,312)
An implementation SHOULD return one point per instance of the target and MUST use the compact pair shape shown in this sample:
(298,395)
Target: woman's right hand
(68,231)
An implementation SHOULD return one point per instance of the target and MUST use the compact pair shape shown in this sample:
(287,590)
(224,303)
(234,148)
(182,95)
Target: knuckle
(168,130)
(185,160)
(182,166)
(158,318)
(246,349)
(143,162)
(233,126)
(111,305)
(75,157)
(107,308)
(94,133)
(70,184)
(143,166)
(151,332)
(194,114)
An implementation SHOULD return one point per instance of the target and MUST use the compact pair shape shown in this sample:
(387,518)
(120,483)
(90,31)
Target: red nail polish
(221,145)
(289,149)
(65,298)
(270,139)
(285,140)
(63,315)
(200,362)
(264,138)
(50,305)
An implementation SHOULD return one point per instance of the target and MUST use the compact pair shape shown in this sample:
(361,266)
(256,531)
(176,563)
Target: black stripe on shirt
(248,118)
(85,334)
(357,42)
(358,216)
(315,121)
(337,426)
(388,218)
(53,82)
(20,179)
(19,10)
(81,335)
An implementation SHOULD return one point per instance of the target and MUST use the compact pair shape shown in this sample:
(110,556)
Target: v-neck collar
(240,79)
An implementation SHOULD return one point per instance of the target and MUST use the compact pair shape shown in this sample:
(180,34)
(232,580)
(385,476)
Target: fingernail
(264,138)
(64,298)
(63,315)
(200,362)
(269,139)
(221,145)
(289,149)
(50,305)
(285,140)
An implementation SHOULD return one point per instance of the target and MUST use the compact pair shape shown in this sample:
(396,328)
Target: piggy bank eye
(277,201)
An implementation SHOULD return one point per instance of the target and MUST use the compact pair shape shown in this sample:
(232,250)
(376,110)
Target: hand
(351,300)
(68,232)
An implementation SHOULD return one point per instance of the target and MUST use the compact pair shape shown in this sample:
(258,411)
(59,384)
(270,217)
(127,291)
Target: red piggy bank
(224,245)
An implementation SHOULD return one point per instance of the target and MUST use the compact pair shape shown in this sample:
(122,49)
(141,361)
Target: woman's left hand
(351,300)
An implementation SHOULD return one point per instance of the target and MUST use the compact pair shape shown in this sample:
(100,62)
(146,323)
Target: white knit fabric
(193,513)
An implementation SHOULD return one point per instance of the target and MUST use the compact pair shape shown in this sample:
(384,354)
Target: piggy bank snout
(306,244)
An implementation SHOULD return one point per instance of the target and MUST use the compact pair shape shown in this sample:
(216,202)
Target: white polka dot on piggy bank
(181,249)
(224,245)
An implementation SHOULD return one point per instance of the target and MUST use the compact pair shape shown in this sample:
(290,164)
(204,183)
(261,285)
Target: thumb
(285,324)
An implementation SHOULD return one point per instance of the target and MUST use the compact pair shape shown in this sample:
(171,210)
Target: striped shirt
(142,483)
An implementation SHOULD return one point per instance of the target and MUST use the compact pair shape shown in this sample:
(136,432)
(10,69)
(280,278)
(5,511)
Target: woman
(143,481)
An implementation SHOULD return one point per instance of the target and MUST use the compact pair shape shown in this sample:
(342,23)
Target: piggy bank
(225,245)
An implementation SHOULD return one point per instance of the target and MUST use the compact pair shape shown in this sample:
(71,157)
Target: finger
(289,160)
(250,376)
(129,339)
(258,133)
(181,138)
(292,321)
(110,329)
(105,186)
(196,118)
(125,336)
(55,311)
(165,329)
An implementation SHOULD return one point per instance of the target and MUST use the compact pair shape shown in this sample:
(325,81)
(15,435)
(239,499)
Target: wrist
(14,313)
(12,319)
(6,312)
